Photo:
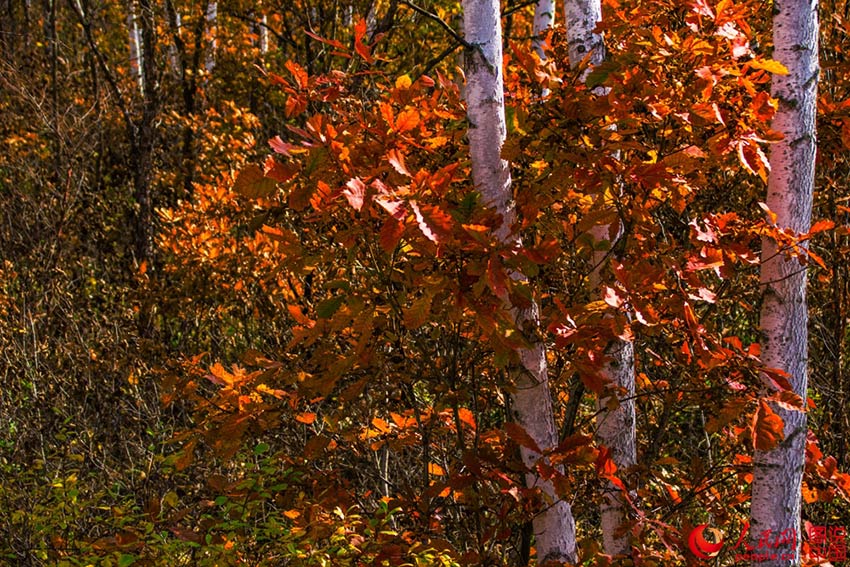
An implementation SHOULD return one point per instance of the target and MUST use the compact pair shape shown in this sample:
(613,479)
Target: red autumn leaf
(285,148)
(770,214)
(355,192)
(393,206)
(767,428)
(777,379)
(612,297)
(753,159)
(280,172)
(315,446)
(435,469)
(321,196)
(821,225)
(496,277)
(605,465)
(390,235)
(519,436)
(331,42)
(387,113)
(786,399)
(295,104)
(708,111)
(298,73)
(544,252)
(396,160)
(434,223)
(816,258)
(439,181)
(361,48)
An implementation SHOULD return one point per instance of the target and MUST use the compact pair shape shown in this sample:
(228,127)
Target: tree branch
(457,37)
(107,72)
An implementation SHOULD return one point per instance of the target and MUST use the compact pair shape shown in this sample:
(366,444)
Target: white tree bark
(581,17)
(554,527)
(615,426)
(544,18)
(136,63)
(264,35)
(778,473)
(212,32)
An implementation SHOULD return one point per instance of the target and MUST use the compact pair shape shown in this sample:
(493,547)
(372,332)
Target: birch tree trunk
(615,422)
(544,18)
(212,32)
(135,46)
(554,527)
(264,35)
(777,474)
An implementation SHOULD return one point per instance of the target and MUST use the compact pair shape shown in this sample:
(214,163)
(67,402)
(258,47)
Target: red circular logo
(700,546)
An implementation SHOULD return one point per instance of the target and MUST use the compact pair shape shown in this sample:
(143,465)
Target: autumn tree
(778,470)
(554,527)
(616,421)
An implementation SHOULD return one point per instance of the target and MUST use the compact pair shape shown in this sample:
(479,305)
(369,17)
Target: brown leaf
(280,172)
(252,183)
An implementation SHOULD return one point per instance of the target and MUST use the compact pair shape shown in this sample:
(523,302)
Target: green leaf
(328,307)
(261,448)
(597,77)
(126,559)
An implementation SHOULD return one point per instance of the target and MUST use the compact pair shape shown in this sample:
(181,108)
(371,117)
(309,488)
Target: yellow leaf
(403,82)
(769,65)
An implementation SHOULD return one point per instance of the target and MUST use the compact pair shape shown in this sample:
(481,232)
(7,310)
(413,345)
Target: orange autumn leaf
(306,418)
(407,120)
(767,428)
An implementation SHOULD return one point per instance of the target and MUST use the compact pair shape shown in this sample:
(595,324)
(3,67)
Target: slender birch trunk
(136,63)
(544,18)
(212,32)
(777,474)
(264,35)
(615,424)
(554,527)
